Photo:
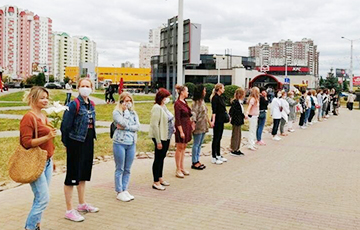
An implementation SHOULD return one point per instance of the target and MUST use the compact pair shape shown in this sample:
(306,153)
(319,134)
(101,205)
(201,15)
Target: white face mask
(84,91)
(279,95)
(129,105)
(167,100)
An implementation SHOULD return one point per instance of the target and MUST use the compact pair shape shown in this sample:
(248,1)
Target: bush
(31,80)
(229,93)
(191,88)
(209,88)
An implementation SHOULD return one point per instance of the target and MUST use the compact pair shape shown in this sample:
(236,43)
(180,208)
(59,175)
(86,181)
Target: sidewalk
(292,184)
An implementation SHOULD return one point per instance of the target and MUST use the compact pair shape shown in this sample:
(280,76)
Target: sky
(118,26)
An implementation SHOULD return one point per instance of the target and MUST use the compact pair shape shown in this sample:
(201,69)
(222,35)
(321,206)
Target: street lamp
(351,61)
(180,41)
(216,57)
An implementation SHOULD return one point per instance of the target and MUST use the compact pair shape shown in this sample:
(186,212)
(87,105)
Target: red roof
(11,9)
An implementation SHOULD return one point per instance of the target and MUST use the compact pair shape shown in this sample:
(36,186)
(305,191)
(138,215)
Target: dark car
(53,85)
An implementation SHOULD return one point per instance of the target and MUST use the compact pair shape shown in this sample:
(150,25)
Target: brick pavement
(309,180)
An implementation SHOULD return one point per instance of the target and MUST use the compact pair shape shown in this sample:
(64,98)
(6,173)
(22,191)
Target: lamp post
(180,41)
(351,61)
(216,57)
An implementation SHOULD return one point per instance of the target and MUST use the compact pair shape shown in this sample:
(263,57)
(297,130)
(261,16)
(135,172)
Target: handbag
(26,165)
(262,114)
(226,117)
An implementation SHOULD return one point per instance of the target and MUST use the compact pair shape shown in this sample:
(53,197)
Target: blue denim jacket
(130,121)
(75,126)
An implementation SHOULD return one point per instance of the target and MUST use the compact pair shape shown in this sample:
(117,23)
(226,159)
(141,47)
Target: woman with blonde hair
(218,119)
(252,114)
(78,134)
(124,144)
(237,120)
(38,99)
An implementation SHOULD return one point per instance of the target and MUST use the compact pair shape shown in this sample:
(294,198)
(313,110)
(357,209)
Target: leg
(218,144)
(156,164)
(275,127)
(182,156)
(196,147)
(119,157)
(235,138)
(163,152)
(129,159)
(81,192)
(302,119)
(216,137)
(282,125)
(178,156)
(199,149)
(252,131)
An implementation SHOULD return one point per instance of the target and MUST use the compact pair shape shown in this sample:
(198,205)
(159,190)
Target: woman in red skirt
(184,127)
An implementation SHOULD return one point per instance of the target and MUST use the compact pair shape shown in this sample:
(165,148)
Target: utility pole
(180,41)
(351,61)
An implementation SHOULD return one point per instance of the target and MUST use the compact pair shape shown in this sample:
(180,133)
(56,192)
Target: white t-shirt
(275,108)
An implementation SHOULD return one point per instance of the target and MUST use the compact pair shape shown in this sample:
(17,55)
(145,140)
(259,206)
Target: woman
(326,99)
(262,116)
(284,113)
(314,103)
(68,88)
(302,110)
(201,119)
(124,144)
(292,114)
(276,110)
(161,130)
(78,134)
(319,98)
(38,99)
(237,120)
(252,114)
(184,127)
(308,108)
(219,116)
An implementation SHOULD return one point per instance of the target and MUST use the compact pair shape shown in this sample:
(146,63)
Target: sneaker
(235,154)
(261,143)
(129,195)
(291,130)
(252,148)
(223,159)
(123,197)
(310,123)
(242,154)
(158,187)
(74,215)
(303,127)
(276,138)
(327,116)
(87,208)
(216,161)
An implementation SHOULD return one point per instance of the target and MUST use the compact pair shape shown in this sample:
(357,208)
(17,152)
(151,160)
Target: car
(53,85)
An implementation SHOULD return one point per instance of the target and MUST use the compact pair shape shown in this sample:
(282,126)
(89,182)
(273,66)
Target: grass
(9,124)
(17,96)
(12,104)
(135,97)
(16,112)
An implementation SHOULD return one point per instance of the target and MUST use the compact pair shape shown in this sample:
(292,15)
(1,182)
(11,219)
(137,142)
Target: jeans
(252,131)
(260,128)
(196,149)
(40,188)
(319,113)
(160,155)
(276,123)
(282,125)
(124,157)
(307,115)
(302,119)
(68,98)
(312,114)
(218,132)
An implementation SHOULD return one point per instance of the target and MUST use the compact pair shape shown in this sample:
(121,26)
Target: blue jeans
(196,149)
(124,157)
(307,115)
(40,188)
(68,98)
(260,128)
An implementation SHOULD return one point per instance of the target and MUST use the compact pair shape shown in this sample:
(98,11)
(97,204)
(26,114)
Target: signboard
(356,81)
(287,80)
(342,73)
(282,69)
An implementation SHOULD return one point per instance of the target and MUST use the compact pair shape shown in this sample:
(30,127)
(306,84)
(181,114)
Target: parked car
(53,85)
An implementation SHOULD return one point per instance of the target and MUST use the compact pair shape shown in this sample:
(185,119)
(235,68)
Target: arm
(177,121)
(136,127)
(119,119)
(154,123)
(27,128)
(251,104)
(67,122)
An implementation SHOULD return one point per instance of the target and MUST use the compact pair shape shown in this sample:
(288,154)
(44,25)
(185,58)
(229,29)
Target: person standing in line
(308,107)
(68,88)
(124,144)
(284,113)
(237,120)
(38,99)
(276,110)
(319,98)
(262,116)
(184,128)
(313,103)
(292,114)
(302,109)
(350,101)
(219,117)
(252,114)
(202,121)
(161,130)
(325,111)
(78,134)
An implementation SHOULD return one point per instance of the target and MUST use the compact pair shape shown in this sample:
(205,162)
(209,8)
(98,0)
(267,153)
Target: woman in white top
(276,110)
(284,113)
(68,88)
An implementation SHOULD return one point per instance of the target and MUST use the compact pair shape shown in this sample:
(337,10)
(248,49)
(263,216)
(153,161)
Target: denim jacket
(75,126)
(130,121)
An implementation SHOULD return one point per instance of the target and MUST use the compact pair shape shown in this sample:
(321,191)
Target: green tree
(209,88)
(322,82)
(31,80)
(345,86)
(229,93)
(40,79)
(66,79)
(191,88)
(51,78)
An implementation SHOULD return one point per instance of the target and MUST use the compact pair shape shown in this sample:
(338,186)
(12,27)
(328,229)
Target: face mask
(279,95)
(292,96)
(85,92)
(128,105)
(167,100)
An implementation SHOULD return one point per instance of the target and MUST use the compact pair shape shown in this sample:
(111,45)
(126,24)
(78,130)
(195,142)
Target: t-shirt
(254,111)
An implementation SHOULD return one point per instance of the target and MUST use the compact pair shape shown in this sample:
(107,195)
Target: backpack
(78,104)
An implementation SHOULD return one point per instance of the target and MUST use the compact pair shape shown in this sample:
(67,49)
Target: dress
(182,118)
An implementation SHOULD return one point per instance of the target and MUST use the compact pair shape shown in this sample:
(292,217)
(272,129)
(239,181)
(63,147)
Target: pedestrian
(184,128)
(335,104)
(319,98)
(202,122)
(326,101)
(308,107)
(68,87)
(111,94)
(237,120)
(252,114)
(276,110)
(350,101)
(292,114)
(302,109)
(161,130)
(78,134)
(262,116)
(218,119)
(124,144)
(34,119)
(106,86)
(313,105)
(284,113)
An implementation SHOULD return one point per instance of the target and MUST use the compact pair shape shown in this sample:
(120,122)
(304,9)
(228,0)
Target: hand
(182,135)
(193,126)
(120,127)
(246,116)
(52,134)
(159,146)
(212,124)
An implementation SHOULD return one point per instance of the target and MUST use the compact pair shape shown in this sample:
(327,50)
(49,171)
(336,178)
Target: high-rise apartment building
(152,48)
(25,42)
(296,54)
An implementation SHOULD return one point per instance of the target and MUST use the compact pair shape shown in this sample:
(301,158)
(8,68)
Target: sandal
(200,167)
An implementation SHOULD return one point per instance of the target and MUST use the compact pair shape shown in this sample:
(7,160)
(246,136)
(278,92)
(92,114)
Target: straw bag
(26,165)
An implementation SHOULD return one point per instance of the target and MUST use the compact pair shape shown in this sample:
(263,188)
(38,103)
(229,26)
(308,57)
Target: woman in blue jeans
(262,116)
(124,144)
(201,119)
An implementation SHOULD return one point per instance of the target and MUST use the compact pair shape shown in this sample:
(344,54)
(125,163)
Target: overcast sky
(118,26)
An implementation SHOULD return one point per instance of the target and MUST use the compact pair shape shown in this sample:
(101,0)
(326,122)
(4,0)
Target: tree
(31,80)
(209,88)
(51,78)
(332,82)
(40,79)
(321,82)
(229,93)
(191,88)
(345,86)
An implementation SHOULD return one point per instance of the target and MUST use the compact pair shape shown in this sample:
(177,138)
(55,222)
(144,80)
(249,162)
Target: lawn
(55,95)
(17,96)
(12,104)
(9,124)
(135,97)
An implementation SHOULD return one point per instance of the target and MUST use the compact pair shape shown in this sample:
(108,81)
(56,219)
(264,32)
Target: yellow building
(132,77)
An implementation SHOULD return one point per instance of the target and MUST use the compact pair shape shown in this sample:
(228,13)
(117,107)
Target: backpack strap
(78,104)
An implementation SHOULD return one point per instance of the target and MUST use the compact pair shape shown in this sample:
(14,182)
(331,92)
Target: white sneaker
(291,130)
(276,138)
(216,161)
(310,123)
(327,116)
(252,148)
(129,195)
(223,159)
(74,215)
(315,121)
(303,127)
(123,197)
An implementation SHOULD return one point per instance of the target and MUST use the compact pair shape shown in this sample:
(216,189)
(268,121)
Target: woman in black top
(237,120)
(217,121)
(262,115)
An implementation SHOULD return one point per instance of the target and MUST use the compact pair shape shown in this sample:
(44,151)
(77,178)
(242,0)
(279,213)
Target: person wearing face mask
(263,106)
(161,130)
(124,144)
(276,110)
(78,134)
(292,114)
(302,109)
(284,113)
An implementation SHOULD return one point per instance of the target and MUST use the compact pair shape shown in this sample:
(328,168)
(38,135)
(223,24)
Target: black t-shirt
(90,117)
(263,103)
(218,108)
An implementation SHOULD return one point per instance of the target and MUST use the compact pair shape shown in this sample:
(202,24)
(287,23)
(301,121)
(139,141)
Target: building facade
(25,42)
(152,48)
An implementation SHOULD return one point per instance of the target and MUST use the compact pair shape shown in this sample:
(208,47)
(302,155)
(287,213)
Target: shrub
(191,88)
(229,93)
(209,88)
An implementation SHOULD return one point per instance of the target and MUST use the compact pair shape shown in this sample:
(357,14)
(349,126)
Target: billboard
(342,73)
(356,81)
